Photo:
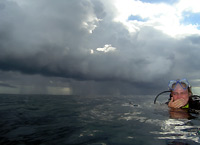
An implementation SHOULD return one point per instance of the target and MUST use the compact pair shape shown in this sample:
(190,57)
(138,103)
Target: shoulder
(194,102)
(194,98)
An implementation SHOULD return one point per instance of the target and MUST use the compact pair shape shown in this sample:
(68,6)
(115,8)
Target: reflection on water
(178,113)
(104,120)
(176,126)
(179,129)
(179,126)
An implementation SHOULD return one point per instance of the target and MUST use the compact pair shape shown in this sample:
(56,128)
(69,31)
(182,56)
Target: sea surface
(94,120)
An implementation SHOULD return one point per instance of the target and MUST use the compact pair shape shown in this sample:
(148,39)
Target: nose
(179,95)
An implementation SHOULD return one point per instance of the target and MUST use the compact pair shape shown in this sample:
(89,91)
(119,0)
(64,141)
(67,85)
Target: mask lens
(172,84)
(184,83)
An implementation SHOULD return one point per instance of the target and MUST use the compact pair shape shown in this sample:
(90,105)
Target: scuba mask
(182,82)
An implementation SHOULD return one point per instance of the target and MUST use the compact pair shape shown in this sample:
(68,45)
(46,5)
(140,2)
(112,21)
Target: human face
(180,93)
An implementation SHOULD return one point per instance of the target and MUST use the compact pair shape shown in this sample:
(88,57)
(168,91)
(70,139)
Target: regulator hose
(160,94)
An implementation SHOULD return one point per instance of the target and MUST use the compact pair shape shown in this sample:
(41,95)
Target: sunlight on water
(96,120)
(179,129)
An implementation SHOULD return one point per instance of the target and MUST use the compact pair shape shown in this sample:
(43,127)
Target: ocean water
(94,120)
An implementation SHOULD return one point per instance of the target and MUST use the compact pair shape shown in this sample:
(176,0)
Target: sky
(98,47)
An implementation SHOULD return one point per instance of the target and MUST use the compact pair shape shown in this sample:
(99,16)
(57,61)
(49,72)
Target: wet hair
(190,90)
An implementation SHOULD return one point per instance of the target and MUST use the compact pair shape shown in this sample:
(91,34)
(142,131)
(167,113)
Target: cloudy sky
(98,46)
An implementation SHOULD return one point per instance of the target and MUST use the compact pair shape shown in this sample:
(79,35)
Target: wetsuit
(194,102)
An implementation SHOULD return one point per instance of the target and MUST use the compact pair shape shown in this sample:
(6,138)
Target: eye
(183,93)
(175,93)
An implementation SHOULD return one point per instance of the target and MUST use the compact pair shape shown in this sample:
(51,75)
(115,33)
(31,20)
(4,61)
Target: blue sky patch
(136,17)
(160,1)
(191,18)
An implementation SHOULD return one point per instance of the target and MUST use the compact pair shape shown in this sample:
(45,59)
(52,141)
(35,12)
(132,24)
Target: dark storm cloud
(41,39)
(7,85)
(53,38)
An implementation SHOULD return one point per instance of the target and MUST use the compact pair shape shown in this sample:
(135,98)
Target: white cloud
(161,16)
(106,48)
(188,5)
(91,23)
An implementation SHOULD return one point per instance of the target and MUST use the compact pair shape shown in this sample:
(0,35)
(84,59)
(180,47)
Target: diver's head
(180,89)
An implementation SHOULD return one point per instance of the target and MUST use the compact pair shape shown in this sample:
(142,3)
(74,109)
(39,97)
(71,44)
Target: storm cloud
(79,42)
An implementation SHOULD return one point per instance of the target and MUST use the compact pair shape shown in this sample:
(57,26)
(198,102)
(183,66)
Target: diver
(181,95)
